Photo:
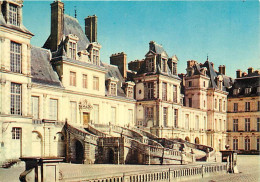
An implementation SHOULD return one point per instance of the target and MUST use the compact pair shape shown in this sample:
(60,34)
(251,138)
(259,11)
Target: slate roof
(71,26)
(212,74)
(41,69)
(249,81)
(113,71)
(158,49)
(20,28)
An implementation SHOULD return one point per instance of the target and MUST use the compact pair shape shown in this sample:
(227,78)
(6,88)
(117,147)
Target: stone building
(62,100)
(243,112)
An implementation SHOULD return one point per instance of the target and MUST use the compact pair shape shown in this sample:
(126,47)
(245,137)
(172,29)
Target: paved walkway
(248,166)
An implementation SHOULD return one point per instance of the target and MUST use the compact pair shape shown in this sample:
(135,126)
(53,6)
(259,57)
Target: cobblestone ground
(248,166)
(249,171)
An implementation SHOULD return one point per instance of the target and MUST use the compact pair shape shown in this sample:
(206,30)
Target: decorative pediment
(150,53)
(85,105)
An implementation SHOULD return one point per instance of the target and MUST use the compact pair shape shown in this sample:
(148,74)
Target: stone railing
(190,173)
(96,132)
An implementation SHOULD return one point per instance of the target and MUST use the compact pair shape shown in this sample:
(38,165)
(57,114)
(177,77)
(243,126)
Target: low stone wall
(162,174)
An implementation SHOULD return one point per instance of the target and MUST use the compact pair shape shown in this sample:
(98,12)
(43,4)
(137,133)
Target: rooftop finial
(75,11)
(207,56)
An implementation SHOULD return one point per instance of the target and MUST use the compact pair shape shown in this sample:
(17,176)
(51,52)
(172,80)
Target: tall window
(130,92)
(150,65)
(15,57)
(187,122)
(95,57)
(113,115)
(258,124)
(149,112)
(95,83)
(73,108)
(96,113)
(224,105)
(164,91)
(165,116)
(190,102)
(16,98)
(53,109)
(220,105)
(235,107)
(216,103)
(174,93)
(235,124)
(35,107)
(258,105)
(13,15)
(72,50)
(176,118)
(205,123)
(113,88)
(235,144)
(163,65)
(190,83)
(247,143)
(72,78)
(247,106)
(150,90)
(174,69)
(85,81)
(16,133)
(247,124)
(257,144)
(197,122)
(130,115)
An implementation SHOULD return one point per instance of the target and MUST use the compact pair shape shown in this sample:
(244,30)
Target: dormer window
(130,89)
(174,68)
(236,91)
(163,65)
(13,15)
(150,65)
(112,86)
(258,89)
(95,56)
(72,50)
(72,46)
(247,90)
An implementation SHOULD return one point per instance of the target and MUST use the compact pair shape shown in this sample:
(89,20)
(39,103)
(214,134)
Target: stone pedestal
(40,169)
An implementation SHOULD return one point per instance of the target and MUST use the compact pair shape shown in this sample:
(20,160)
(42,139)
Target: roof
(41,69)
(113,71)
(72,26)
(241,84)
(158,49)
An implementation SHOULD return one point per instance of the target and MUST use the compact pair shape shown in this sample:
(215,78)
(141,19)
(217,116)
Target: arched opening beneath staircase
(111,155)
(197,140)
(78,152)
(187,139)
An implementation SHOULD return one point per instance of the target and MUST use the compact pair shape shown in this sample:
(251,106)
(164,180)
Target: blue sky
(228,32)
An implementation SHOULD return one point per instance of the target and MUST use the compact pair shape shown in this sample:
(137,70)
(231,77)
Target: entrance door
(85,118)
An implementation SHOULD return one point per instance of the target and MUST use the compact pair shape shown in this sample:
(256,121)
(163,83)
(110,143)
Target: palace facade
(66,82)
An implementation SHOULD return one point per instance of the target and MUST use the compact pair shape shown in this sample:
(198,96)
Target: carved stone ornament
(85,105)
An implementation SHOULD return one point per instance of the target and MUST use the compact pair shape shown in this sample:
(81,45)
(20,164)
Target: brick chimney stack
(239,73)
(250,70)
(222,69)
(91,28)
(119,60)
(57,23)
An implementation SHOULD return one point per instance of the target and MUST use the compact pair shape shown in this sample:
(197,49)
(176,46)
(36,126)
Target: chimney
(239,73)
(91,28)
(119,60)
(222,69)
(152,46)
(191,63)
(250,70)
(57,23)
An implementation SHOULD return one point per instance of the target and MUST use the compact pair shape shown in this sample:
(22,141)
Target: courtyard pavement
(248,166)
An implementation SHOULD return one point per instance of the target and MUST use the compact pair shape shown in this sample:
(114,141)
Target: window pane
(16,99)
(53,109)
(15,57)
